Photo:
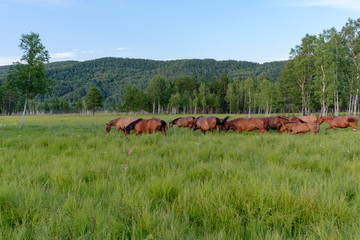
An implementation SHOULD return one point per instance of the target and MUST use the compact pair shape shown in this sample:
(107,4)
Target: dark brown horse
(296,127)
(209,123)
(185,122)
(247,124)
(119,123)
(270,123)
(147,126)
(340,122)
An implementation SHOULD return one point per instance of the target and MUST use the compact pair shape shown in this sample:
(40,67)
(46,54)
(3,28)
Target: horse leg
(355,128)
(328,128)
(203,132)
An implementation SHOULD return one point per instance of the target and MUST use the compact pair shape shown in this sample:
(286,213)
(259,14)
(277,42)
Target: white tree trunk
(22,119)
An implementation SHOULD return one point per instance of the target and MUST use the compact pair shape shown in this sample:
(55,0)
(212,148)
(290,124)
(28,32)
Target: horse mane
(173,121)
(353,119)
(301,120)
(113,121)
(132,125)
(284,118)
(194,125)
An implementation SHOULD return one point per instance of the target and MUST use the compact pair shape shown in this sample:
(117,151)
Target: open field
(63,177)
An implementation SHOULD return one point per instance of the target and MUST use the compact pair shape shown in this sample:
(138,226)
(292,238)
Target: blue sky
(249,30)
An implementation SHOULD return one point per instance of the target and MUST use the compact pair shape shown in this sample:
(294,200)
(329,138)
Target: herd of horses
(292,125)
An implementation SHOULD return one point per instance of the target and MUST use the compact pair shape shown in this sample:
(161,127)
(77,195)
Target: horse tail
(132,125)
(222,123)
(164,125)
(194,125)
(224,120)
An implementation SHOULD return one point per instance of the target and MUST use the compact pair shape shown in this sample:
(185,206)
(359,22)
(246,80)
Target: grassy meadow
(63,177)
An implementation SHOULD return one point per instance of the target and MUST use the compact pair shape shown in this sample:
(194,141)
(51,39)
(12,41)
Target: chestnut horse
(340,122)
(119,123)
(296,127)
(310,118)
(147,126)
(209,123)
(247,124)
(186,122)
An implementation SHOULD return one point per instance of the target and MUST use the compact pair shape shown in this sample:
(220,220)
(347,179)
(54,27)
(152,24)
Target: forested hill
(73,79)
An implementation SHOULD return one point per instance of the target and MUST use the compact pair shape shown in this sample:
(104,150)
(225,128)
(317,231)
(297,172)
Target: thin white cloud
(340,4)
(63,55)
(122,48)
(8,60)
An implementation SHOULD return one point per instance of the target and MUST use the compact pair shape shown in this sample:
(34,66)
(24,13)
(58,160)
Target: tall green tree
(155,90)
(32,79)
(79,106)
(10,91)
(231,97)
(249,87)
(303,57)
(94,99)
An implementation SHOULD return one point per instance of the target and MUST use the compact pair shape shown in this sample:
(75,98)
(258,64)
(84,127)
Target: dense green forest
(112,75)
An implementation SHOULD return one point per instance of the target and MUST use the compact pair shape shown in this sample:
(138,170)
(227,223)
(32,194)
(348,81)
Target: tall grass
(64,177)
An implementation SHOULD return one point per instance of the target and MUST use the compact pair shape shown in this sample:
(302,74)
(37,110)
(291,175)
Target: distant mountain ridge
(111,75)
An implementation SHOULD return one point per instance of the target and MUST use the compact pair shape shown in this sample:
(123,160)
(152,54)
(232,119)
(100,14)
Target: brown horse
(247,124)
(147,126)
(270,123)
(186,122)
(340,122)
(296,127)
(209,124)
(119,123)
(310,118)
(281,120)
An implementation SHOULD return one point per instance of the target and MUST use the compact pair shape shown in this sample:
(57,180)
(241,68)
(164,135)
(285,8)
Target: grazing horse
(186,122)
(119,123)
(340,122)
(296,127)
(270,123)
(247,124)
(310,118)
(209,123)
(281,120)
(147,126)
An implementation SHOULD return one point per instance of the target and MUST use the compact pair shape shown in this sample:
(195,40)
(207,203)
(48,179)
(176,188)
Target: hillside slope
(111,75)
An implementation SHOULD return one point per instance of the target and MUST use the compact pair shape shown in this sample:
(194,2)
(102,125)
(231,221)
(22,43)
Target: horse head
(107,127)
(320,120)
